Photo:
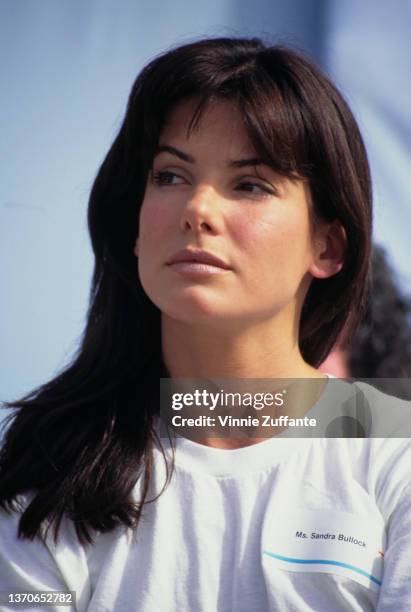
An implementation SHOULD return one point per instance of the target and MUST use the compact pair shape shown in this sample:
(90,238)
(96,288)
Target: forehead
(220,126)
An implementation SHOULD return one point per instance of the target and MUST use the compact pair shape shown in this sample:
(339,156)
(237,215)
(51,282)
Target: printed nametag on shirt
(330,542)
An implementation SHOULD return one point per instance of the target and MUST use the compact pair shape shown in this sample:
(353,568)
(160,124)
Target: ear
(330,242)
(135,250)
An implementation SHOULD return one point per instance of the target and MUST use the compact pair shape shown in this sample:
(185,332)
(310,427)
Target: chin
(191,311)
(189,303)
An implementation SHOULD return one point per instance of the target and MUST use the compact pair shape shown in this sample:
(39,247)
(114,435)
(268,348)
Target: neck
(261,350)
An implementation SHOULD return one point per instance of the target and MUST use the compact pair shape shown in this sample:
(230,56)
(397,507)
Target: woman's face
(202,195)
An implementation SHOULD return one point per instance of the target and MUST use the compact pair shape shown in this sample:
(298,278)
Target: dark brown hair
(80,442)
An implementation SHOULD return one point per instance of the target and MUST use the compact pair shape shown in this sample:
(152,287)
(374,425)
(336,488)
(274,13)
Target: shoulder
(386,452)
(41,563)
(360,409)
(367,434)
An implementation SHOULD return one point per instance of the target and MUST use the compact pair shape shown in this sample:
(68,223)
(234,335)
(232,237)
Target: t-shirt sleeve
(395,593)
(30,565)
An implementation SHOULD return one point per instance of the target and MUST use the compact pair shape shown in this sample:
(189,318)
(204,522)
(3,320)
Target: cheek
(152,222)
(275,236)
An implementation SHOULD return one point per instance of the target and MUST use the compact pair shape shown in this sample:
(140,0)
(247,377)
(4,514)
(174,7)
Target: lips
(188,255)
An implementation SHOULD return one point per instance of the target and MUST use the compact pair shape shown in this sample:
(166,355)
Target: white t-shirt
(288,524)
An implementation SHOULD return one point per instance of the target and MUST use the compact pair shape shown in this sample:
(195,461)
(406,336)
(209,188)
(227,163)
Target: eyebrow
(236,163)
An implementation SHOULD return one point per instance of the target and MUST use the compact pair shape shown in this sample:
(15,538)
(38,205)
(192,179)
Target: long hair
(381,345)
(81,441)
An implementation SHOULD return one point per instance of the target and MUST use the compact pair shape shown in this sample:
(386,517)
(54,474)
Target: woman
(240,183)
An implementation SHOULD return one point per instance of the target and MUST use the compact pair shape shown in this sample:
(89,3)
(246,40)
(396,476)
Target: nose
(202,213)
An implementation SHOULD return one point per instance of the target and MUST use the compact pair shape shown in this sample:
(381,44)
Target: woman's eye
(167,178)
(256,189)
